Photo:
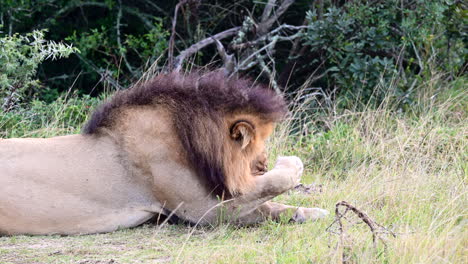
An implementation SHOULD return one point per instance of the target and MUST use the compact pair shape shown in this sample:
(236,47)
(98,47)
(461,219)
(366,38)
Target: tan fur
(136,169)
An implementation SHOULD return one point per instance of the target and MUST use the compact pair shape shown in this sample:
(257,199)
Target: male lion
(187,145)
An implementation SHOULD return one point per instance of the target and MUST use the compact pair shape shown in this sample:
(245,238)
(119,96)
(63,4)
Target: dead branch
(373,226)
(228,59)
(271,35)
(250,52)
(267,11)
(173,32)
(245,63)
(266,24)
(201,44)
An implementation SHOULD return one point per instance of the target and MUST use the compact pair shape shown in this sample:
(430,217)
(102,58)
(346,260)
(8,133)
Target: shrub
(20,55)
(360,47)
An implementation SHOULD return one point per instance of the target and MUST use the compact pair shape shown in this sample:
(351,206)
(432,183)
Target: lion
(190,145)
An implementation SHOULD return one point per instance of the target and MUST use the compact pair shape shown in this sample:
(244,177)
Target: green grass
(406,169)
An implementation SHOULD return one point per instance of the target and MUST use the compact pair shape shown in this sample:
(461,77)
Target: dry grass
(407,170)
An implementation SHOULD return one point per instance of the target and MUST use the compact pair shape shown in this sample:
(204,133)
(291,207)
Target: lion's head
(222,123)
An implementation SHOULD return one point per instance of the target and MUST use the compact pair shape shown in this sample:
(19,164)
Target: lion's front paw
(303,214)
(295,164)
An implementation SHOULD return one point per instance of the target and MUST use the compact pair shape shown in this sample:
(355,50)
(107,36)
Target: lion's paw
(294,163)
(303,214)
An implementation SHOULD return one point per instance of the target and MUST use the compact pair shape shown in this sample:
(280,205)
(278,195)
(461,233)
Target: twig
(254,54)
(247,26)
(421,65)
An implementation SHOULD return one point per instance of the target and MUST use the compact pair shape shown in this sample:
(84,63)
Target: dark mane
(194,98)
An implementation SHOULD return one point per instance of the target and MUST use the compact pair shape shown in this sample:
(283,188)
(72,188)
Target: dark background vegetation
(353,50)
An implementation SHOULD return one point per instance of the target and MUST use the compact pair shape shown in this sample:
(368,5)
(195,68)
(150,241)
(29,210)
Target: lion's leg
(254,206)
(284,176)
(278,211)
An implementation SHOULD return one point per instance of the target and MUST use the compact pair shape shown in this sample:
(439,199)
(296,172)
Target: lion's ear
(243,132)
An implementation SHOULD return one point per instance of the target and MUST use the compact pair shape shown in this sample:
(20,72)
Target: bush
(19,58)
(361,47)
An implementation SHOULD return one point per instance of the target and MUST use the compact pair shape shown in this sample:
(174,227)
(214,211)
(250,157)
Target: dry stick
(373,226)
(228,60)
(365,218)
(267,11)
(172,39)
(342,233)
(177,64)
(271,35)
(266,24)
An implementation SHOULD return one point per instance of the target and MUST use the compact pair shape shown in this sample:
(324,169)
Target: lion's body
(134,163)
(47,189)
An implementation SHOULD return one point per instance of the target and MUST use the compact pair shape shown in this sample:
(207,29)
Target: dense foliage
(361,48)
(350,49)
